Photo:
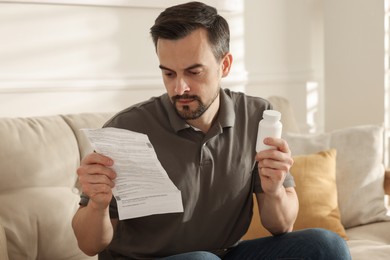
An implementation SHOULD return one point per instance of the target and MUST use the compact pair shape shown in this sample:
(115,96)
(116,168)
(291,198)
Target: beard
(186,113)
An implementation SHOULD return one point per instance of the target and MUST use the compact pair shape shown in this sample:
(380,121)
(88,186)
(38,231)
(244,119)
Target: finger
(273,174)
(90,179)
(96,189)
(274,155)
(272,164)
(283,164)
(99,193)
(97,158)
(279,143)
(96,169)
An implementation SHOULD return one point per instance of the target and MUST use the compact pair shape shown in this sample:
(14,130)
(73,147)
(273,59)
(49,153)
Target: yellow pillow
(315,180)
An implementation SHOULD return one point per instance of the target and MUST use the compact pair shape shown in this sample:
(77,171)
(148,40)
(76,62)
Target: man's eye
(195,72)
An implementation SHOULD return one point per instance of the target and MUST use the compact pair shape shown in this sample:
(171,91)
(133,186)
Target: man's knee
(327,243)
(203,255)
(197,255)
(322,236)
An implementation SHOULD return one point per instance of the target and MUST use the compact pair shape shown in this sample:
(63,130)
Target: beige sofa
(38,189)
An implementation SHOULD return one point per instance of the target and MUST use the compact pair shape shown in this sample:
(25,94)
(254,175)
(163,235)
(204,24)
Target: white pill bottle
(269,126)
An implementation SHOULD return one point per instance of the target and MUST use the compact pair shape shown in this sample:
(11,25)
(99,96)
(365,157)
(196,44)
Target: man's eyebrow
(164,68)
(197,65)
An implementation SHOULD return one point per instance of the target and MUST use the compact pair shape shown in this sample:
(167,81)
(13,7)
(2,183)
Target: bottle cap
(272,115)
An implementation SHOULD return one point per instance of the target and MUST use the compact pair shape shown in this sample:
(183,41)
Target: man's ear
(227,61)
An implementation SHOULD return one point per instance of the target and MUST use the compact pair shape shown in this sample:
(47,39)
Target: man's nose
(181,86)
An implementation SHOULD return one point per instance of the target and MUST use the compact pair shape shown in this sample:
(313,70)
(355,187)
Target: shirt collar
(225,118)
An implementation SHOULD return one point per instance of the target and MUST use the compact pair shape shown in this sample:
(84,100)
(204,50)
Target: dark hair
(178,21)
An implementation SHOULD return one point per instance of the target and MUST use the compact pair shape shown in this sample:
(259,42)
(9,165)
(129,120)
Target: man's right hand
(92,225)
(96,179)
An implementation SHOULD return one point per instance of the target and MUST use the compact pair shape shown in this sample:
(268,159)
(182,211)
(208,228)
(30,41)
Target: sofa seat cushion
(378,232)
(368,249)
(37,223)
(370,241)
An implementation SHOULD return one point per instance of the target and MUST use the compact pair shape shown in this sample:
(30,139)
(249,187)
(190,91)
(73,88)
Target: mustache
(185,96)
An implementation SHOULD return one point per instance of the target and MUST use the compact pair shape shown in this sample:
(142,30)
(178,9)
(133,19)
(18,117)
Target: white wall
(72,58)
(339,45)
(354,62)
(65,59)
(280,43)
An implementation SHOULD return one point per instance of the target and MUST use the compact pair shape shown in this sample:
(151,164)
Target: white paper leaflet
(142,186)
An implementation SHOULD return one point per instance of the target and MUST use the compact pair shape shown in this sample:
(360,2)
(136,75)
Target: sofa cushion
(371,241)
(35,152)
(37,223)
(3,244)
(315,179)
(359,169)
(315,182)
(288,116)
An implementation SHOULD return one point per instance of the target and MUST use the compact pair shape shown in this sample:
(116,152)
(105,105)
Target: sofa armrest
(387,181)
(3,244)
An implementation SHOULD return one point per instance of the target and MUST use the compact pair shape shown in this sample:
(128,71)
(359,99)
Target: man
(205,138)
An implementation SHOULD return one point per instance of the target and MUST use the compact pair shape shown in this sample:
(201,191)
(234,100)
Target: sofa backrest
(288,120)
(39,157)
(37,152)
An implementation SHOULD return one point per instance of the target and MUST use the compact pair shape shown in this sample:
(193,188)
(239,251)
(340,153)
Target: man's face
(190,72)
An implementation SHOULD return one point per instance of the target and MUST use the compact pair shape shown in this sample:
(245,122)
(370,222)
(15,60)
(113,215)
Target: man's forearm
(278,213)
(93,229)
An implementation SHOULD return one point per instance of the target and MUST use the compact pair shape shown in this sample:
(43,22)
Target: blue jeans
(305,244)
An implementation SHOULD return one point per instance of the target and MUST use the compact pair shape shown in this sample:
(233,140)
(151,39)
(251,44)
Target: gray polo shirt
(215,173)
